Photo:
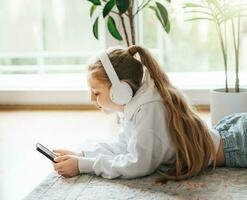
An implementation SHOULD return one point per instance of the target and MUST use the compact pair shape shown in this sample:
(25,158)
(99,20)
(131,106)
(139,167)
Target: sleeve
(144,150)
(117,146)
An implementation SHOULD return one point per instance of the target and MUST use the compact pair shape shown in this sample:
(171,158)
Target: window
(187,41)
(45,43)
(45,36)
(191,52)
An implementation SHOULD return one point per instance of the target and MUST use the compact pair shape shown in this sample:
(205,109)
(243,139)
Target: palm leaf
(232,12)
(194,5)
(200,18)
(199,12)
(217,5)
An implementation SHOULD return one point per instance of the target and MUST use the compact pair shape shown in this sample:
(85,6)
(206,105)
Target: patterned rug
(221,183)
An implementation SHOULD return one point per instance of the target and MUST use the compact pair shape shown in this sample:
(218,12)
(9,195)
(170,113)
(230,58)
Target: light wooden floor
(21,166)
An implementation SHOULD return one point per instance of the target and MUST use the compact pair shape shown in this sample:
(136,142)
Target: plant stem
(114,12)
(124,29)
(225,35)
(224,55)
(123,24)
(222,45)
(237,54)
(131,21)
(143,5)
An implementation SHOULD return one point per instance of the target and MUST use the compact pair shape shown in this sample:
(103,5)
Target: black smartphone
(46,152)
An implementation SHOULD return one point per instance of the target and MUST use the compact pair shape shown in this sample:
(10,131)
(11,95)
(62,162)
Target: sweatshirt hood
(145,94)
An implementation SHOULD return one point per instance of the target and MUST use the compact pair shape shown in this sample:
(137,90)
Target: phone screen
(46,152)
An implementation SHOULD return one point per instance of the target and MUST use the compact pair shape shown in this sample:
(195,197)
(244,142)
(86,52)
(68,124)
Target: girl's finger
(61,158)
(57,168)
(59,150)
(59,154)
(60,172)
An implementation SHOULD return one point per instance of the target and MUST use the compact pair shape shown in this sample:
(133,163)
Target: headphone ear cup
(121,94)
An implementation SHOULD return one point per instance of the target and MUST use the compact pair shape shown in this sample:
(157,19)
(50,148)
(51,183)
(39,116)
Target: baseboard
(47,107)
(201,108)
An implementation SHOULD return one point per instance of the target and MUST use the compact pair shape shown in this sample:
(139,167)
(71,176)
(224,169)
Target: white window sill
(78,81)
(73,88)
(44,82)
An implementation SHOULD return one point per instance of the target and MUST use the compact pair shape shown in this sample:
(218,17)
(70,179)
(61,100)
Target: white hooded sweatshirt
(143,144)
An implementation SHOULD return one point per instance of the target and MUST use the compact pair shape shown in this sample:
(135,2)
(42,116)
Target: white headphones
(120,91)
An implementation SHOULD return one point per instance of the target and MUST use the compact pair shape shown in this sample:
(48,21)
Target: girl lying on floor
(158,126)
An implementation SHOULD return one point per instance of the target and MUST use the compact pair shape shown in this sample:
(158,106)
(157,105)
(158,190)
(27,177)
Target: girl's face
(100,96)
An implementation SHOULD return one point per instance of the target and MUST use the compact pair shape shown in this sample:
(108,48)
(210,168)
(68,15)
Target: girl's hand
(67,165)
(61,152)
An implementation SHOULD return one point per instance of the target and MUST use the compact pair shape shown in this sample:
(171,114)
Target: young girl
(158,127)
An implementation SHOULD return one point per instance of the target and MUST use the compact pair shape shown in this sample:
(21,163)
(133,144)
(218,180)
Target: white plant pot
(223,103)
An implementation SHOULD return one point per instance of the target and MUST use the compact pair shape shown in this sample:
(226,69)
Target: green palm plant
(225,14)
(125,11)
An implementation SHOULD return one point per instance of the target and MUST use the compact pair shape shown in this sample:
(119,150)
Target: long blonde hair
(190,136)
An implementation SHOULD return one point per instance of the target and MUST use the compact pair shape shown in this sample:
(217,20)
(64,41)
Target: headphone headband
(112,75)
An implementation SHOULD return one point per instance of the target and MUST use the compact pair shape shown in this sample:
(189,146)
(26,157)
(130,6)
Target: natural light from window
(55,37)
